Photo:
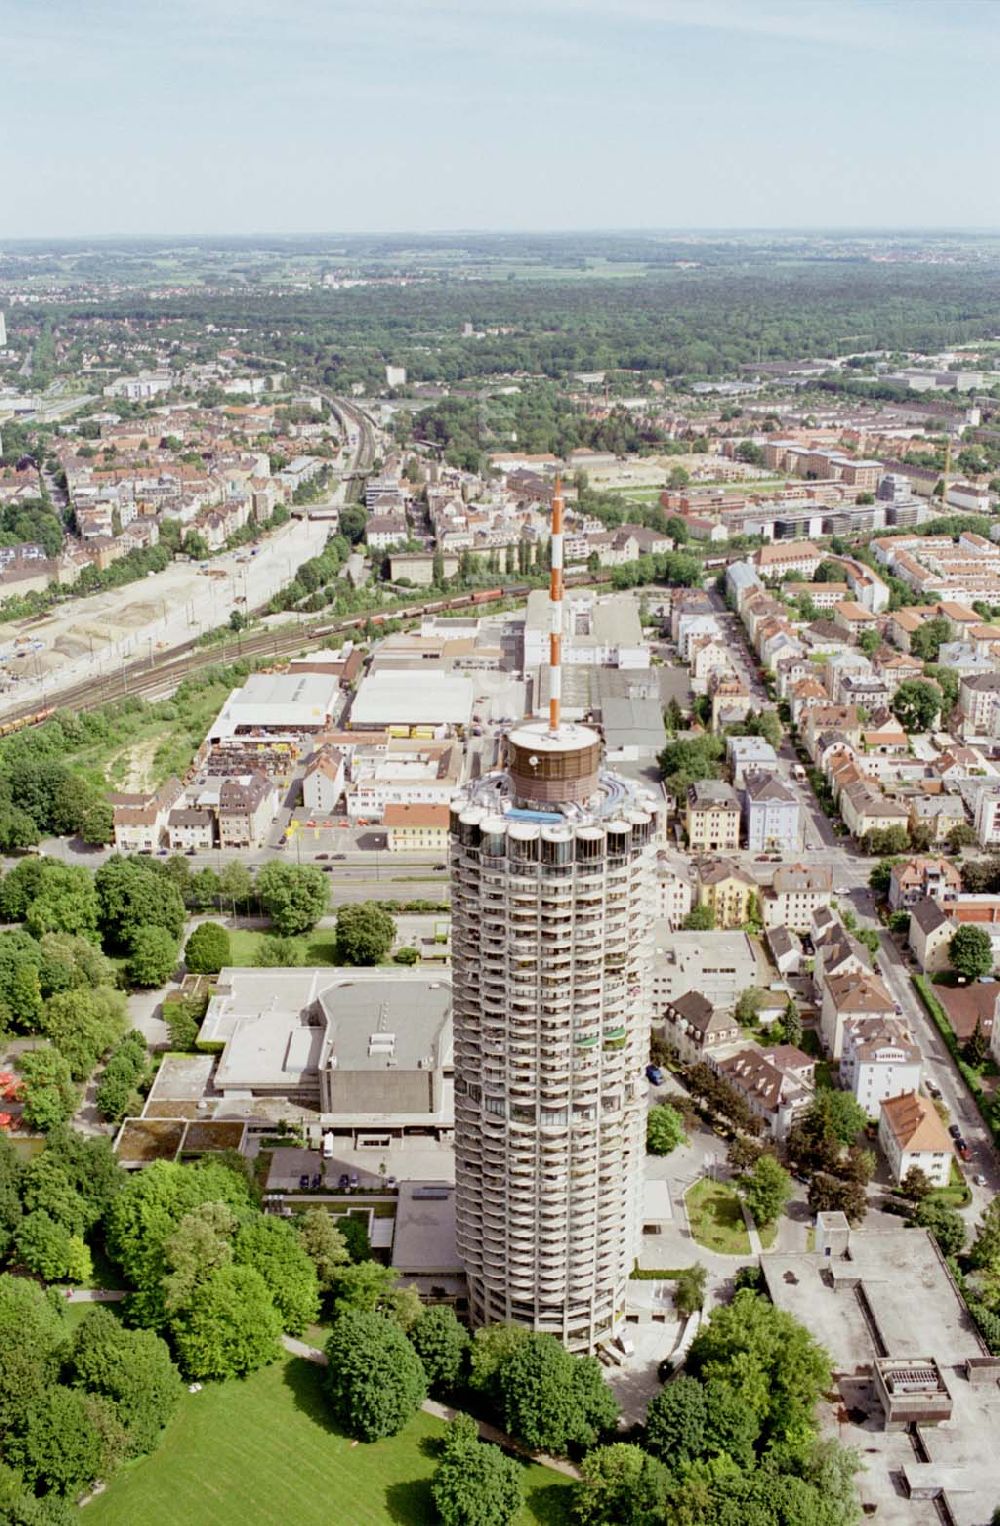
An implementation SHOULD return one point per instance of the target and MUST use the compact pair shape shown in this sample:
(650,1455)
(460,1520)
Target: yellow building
(728,892)
(416,828)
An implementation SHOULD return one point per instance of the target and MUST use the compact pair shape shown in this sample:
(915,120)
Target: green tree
(766,1191)
(83,1025)
(881,876)
(68,962)
(971,952)
(50,1250)
(830,1193)
(32,1338)
(689,1290)
(294,898)
(199,1246)
(869,642)
(748,1006)
(207,950)
(839,1114)
(620,1485)
(440,1342)
(362,1286)
(664,1129)
(272,1248)
(916,1184)
(323,1243)
(490,1348)
(97,824)
(135,893)
(236,883)
(146,1212)
(475,1484)
(945,1224)
(985,1250)
(550,1399)
(11,1180)
(66,903)
(230,1327)
(927,639)
(916,704)
(732,1427)
(375,1380)
(364,933)
(153,956)
(700,919)
(675,1422)
(62,1445)
(783,1370)
(131,1368)
(49,1094)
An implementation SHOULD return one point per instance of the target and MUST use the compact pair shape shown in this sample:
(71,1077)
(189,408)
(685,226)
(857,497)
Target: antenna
(556,608)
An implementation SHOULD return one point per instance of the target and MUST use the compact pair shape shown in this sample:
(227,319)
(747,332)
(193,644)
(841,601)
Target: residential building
(777,558)
(929,935)
(986,820)
(860,994)
(675,889)
(140,821)
(747,755)
(771,816)
(713,816)
(979,704)
(323,780)
(728,891)
(911,1134)
(795,894)
(777,1084)
(247,806)
(697,1029)
(880,1059)
(916,879)
(412,828)
(785,950)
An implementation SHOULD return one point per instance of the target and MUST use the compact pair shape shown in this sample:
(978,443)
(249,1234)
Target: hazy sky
(236,116)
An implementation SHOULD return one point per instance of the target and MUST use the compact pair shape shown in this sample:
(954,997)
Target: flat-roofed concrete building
(368,1050)
(438,701)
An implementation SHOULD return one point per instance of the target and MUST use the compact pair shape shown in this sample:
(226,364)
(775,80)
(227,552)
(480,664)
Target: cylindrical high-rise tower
(552,899)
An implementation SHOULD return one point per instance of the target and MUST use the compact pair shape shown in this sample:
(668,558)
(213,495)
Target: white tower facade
(3,332)
(552,903)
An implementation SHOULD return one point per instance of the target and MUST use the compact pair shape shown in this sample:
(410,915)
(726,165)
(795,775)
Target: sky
(153,117)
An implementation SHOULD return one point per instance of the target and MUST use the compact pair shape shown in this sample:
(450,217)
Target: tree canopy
(375,1380)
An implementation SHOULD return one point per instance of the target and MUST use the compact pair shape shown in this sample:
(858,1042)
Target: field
(264,1451)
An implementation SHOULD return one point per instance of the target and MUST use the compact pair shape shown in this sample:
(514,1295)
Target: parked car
(654,1074)
(963,1150)
(321,856)
(980,1180)
(338,856)
(954,1131)
(343,1181)
(933,1090)
(304,1180)
(354,1180)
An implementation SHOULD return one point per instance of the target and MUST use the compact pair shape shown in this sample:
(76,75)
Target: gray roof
(762,787)
(706,793)
(636,722)
(928,915)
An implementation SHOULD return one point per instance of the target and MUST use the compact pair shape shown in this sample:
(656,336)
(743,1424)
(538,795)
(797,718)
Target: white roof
(398,697)
(280,702)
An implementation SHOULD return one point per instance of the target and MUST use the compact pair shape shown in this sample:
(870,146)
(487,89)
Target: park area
(264,1450)
(715,1216)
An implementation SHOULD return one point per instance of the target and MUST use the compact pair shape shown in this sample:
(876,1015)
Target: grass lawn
(716,1217)
(264,1451)
(317,947)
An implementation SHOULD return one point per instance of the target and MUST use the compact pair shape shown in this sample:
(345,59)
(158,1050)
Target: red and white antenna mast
(556,609)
